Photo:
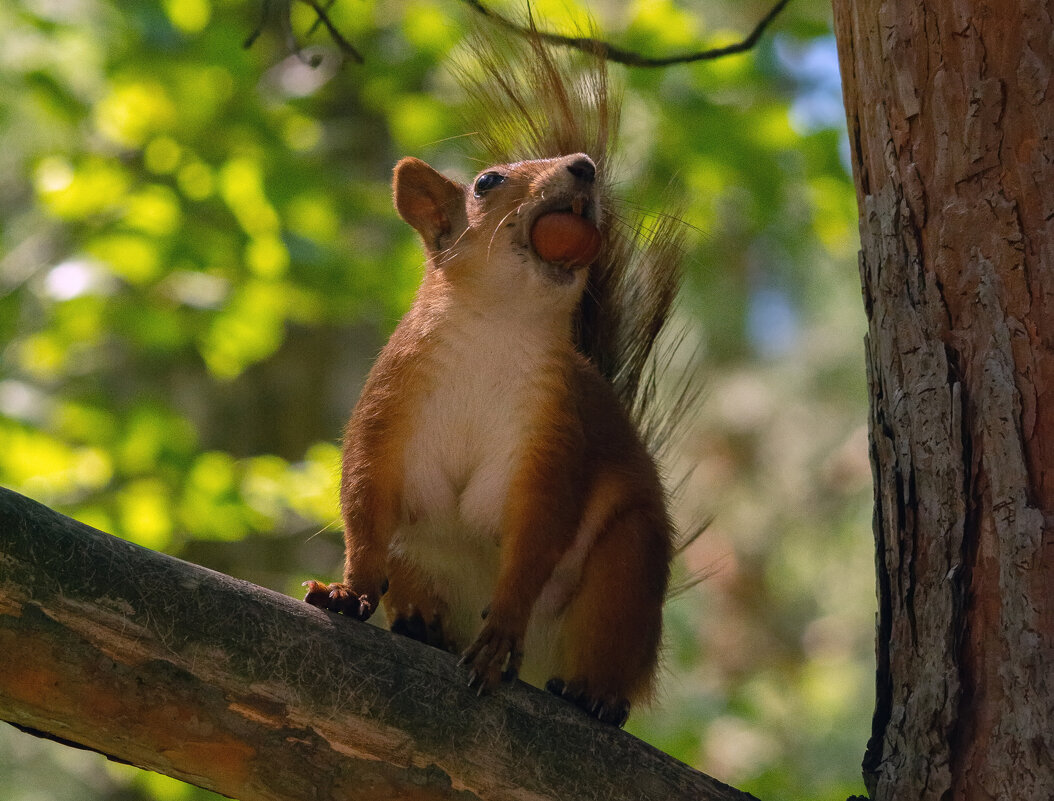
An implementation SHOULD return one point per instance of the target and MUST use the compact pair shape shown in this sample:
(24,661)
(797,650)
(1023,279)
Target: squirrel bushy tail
(530,100)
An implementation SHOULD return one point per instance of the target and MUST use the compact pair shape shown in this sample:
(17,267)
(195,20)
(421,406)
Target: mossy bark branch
(178,669)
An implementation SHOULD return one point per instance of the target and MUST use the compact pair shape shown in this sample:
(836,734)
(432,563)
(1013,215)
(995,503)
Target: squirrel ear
(428,200)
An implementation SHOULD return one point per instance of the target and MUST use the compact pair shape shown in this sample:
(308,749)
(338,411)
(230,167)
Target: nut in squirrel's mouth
(565,234)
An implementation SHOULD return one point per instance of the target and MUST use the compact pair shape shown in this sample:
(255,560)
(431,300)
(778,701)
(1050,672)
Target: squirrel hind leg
(413,610)
(612,627)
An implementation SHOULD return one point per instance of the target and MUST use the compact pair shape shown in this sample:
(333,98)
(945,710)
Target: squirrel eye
(486,182)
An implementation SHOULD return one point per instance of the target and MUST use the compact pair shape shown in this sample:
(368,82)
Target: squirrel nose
(583,169)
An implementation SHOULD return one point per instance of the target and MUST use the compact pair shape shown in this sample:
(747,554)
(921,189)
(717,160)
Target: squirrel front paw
(340,598)
(496,654)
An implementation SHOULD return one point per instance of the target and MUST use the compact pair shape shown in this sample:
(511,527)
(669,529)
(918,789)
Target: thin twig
(278,13)
(619,55)
(345,46)
(318,20)
(265,14)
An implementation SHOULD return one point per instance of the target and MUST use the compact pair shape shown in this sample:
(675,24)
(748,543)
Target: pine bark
(950,124)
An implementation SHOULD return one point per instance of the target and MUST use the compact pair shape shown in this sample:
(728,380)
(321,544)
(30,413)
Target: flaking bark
(950,123)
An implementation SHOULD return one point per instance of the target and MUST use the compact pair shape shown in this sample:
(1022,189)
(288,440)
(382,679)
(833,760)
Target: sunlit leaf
(91,187)
(154,210)
(162,154)
(132,257)
(133,110)
(189,16)
(241,183)
(267,256)
(313,216)
(417,121)
(249,329)
(196,180)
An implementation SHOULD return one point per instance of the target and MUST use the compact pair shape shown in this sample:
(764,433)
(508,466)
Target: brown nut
(562,237)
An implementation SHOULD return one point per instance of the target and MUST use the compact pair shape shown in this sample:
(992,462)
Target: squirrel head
(521,230)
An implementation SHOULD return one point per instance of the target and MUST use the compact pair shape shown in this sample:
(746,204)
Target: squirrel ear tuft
(432,203)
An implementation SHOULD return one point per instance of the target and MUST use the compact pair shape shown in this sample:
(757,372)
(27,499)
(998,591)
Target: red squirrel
(496,490)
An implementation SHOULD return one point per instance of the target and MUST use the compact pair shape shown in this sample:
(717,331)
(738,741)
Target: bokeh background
(199,260)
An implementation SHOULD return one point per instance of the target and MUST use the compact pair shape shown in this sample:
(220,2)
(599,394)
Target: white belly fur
(461,457)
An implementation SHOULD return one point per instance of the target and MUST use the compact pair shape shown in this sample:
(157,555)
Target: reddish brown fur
(583,536)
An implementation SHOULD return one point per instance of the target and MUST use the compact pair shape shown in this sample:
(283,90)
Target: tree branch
(280,10)
(619,55)
(178,669)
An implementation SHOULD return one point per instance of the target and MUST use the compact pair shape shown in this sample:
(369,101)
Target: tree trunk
(215,681)
(950,121)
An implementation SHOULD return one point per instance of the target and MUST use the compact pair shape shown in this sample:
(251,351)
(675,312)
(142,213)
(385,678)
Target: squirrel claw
(606,709)
(494,656)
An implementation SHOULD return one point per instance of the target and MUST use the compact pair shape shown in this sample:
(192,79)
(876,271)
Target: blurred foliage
(199,260)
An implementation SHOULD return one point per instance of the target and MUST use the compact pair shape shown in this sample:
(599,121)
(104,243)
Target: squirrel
(498,484)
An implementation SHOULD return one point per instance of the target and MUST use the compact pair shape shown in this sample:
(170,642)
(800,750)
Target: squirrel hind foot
(431,632)
(606,709)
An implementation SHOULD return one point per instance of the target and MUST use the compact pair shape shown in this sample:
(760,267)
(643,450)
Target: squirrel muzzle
(564,231)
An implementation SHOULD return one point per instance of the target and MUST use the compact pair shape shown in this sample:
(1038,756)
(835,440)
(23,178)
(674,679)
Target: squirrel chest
(480,390)
(482,384)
